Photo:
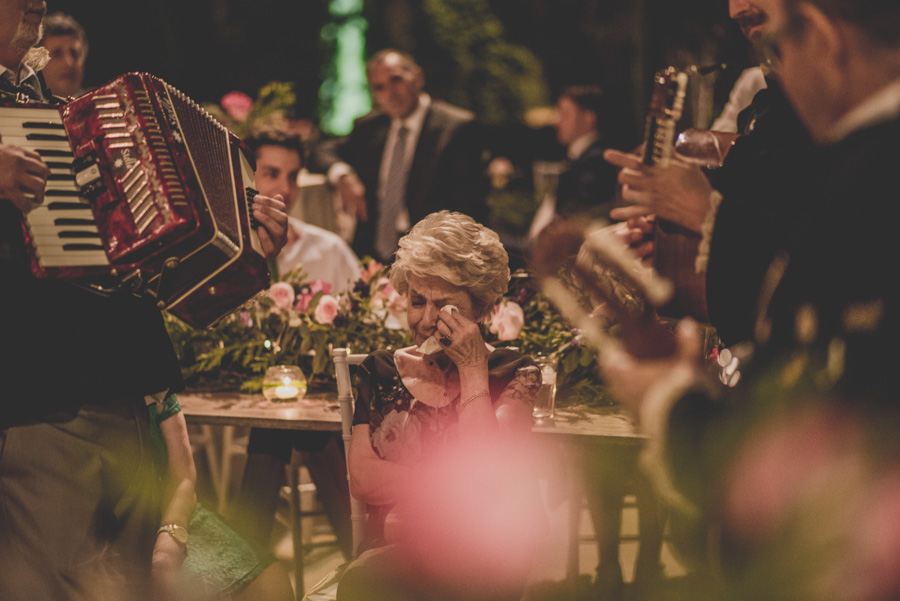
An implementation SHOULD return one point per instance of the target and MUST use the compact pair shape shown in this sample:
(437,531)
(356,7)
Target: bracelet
(470,398)
(179,533)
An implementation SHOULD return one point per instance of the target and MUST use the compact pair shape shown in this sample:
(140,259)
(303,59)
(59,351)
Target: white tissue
(432,346)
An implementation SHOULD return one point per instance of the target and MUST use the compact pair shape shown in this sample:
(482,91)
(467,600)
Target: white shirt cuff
(337,171)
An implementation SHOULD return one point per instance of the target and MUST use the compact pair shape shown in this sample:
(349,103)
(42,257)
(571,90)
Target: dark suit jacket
(765,202)
(447,171)
(588,186)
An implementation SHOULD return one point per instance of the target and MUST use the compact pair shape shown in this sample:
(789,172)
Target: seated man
(323,255)
(65,40)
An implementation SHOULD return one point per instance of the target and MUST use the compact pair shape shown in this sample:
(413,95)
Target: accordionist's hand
(271,213)
(23,176)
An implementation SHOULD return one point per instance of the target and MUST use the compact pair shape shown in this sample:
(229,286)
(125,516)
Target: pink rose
(326,310)
(507,321)
(320,285)
(303,302)
(282,294)
(237,104)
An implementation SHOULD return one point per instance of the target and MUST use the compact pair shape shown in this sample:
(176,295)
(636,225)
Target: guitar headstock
(666,106)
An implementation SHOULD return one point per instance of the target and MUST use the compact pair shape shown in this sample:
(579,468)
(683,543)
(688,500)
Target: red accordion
(147,191)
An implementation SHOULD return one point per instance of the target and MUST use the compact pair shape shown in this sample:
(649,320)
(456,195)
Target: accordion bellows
(147,191)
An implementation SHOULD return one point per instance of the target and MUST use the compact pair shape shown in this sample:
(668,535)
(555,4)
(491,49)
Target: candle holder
(284,383)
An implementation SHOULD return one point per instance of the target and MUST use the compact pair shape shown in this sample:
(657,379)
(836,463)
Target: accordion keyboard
(63,228)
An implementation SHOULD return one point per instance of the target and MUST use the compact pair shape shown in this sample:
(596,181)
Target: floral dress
(409,403)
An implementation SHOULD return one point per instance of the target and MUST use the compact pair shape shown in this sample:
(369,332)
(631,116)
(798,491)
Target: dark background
(209,47)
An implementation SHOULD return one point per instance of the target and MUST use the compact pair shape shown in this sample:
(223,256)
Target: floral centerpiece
(298,322)
(295,322)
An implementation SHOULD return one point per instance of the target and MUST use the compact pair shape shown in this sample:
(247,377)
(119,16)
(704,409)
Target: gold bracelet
(470,398)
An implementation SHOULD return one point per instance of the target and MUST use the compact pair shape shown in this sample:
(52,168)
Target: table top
(320,411)
(316,411)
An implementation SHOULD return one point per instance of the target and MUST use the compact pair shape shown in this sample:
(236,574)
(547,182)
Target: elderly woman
(415,403)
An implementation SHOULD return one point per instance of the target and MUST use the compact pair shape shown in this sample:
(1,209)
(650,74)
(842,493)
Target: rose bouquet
(295,323)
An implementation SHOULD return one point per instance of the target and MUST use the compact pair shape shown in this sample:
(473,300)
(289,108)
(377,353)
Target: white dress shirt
(323,255)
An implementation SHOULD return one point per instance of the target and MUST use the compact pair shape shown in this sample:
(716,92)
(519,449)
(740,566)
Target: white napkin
(432,346)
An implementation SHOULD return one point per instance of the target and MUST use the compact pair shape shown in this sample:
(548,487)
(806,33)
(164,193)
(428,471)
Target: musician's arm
(271,213)
(652,391)
(23,176)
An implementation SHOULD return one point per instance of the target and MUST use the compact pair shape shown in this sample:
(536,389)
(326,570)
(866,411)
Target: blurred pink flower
(303,302)
(507,320)
(320,285)
(369,270)
(282,294)
(237,104)
(246,319)
(326,310)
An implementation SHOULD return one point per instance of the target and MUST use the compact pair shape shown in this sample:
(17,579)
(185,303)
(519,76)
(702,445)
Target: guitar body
(676,251)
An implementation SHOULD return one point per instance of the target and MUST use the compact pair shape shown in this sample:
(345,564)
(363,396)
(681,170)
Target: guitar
(570,257)
(676,247)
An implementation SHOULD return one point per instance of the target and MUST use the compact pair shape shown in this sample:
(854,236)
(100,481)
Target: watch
(179,533)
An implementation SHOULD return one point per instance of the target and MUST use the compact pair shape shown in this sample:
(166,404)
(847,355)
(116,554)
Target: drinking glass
(545,403)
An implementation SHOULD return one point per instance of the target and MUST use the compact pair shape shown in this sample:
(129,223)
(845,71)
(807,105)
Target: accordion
(147,192)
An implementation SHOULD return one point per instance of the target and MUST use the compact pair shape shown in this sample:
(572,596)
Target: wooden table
(573,427)
(316,411)
(319,411)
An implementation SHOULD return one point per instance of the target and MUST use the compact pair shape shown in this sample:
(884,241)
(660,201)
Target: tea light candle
(286,391)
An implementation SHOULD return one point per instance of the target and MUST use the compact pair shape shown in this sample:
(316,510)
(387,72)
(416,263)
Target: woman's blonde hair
(457,249)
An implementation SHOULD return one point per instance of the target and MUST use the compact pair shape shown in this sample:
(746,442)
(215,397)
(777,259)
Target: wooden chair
(342,362)
(326,589)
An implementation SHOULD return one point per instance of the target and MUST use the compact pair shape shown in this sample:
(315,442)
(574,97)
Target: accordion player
(147,192)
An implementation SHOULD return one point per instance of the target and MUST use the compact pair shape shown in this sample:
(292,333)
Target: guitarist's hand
(678,192)
(629,378)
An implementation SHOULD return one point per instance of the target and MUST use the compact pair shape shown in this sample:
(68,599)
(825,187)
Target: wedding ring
(446,340)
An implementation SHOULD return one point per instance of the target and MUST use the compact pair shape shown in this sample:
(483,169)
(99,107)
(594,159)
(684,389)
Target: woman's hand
(168,556)
(461,339)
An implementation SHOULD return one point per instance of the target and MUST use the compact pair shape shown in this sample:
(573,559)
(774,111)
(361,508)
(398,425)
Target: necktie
(386,237)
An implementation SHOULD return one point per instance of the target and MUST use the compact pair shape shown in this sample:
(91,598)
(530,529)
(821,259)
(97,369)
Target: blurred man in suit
(407,159)
(588,185)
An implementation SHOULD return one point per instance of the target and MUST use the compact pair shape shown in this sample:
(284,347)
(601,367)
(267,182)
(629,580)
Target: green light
(344,94)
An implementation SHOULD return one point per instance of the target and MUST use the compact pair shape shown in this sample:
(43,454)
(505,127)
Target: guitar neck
(666,107)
